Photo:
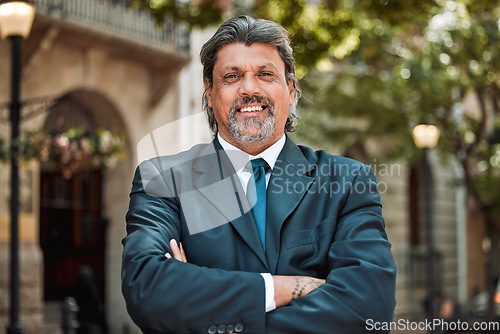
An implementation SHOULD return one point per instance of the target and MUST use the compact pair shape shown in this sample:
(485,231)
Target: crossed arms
(286,288)
(174,296)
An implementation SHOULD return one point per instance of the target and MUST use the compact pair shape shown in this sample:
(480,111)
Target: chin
(251,139)
(251,136)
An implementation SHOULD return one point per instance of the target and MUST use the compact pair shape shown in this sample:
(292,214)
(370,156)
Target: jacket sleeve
(359,293)
(169,296)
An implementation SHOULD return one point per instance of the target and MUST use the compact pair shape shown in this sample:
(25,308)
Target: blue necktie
(256,192)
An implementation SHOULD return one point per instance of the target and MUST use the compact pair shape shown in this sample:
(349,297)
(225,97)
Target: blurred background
(411,88)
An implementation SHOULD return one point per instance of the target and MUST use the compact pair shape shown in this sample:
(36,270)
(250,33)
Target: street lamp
(16,18)
(426,137)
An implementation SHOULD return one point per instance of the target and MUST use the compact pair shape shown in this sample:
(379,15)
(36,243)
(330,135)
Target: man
(210,250)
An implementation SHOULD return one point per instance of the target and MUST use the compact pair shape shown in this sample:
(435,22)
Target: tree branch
(481,133)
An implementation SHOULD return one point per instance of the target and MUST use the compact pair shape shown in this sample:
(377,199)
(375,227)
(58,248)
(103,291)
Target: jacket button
(230,329)
(239,328)
(221,329)
(212,329)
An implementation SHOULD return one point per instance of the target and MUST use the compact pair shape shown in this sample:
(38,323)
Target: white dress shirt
(239,159)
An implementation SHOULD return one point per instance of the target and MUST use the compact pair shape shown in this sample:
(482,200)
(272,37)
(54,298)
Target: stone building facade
(111,64)
(107,65)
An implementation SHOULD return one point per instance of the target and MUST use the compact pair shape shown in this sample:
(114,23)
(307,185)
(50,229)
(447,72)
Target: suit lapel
(216,180)
(288,184)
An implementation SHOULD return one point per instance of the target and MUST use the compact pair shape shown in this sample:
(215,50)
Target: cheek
(223,98)
(282,114)
(287,99)
(220,106)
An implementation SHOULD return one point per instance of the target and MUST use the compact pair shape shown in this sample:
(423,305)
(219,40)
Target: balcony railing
(117,18)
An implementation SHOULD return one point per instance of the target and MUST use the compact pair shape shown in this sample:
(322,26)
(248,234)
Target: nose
(249,86)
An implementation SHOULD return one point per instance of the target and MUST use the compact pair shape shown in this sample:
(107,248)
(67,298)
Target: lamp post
(16,18)
(426,137)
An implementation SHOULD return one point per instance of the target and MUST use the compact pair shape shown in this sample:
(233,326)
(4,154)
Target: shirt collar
(240,158)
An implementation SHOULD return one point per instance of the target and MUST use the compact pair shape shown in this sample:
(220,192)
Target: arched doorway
(73,222)
(72,228)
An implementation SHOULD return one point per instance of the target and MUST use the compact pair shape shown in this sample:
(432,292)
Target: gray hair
(247,30)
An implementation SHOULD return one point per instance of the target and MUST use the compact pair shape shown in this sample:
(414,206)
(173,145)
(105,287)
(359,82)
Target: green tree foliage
(195,14)
(370,70)
(433,61)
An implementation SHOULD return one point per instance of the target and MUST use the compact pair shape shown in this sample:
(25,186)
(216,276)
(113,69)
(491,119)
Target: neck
(252,147)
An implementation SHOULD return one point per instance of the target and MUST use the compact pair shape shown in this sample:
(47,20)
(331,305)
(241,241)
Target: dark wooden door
(72,230)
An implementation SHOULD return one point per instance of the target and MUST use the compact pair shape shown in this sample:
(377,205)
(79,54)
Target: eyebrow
(261,67)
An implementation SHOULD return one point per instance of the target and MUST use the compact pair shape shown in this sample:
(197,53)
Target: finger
(168,256)
(176,252)
(184,259)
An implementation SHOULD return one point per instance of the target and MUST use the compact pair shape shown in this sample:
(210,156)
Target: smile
(252,109)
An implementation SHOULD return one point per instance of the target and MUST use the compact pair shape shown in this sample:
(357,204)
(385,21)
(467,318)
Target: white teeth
(251,109)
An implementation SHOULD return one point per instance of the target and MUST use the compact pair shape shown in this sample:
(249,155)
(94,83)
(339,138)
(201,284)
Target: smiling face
(250,96)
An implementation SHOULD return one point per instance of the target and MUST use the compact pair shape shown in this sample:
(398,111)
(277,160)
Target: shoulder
(331,164)
(156,175)
(321,156)
(179,160)
(161,167)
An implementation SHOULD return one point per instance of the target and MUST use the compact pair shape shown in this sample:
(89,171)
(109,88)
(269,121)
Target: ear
(208,92)
(291,91)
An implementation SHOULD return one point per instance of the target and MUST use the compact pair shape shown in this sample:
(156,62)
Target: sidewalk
(52,318)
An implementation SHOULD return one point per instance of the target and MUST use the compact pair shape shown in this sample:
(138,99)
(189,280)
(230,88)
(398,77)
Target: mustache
(252,99)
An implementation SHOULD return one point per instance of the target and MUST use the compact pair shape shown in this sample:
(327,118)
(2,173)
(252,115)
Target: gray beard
(255,122)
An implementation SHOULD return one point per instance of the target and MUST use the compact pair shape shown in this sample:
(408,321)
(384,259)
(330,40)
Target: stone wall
(30,287)
(410,294)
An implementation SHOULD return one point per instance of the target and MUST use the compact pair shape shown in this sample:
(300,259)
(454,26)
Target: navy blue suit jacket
(323,220)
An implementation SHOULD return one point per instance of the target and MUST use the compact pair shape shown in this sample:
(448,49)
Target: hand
(177,251)
(289,288)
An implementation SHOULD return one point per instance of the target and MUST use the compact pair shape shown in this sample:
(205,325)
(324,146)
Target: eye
(231,77)
(266,75)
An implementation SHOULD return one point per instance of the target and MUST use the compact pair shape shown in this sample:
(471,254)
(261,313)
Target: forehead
(239,56)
